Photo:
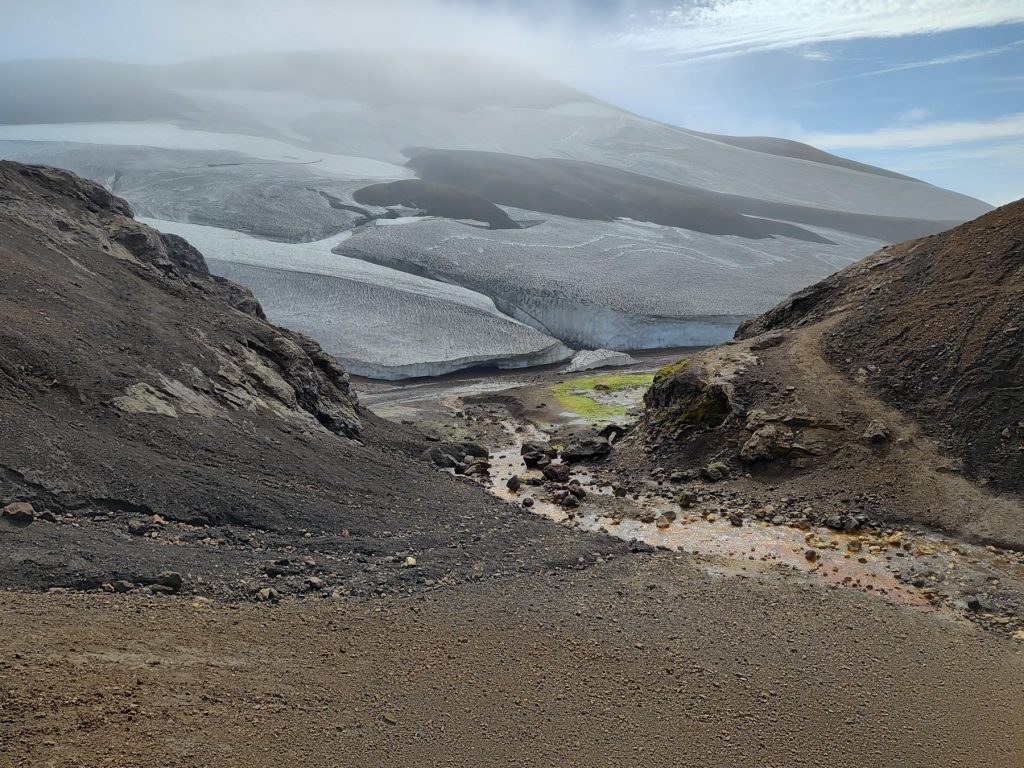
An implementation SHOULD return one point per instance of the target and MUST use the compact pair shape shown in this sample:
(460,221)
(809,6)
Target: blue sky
(931,88)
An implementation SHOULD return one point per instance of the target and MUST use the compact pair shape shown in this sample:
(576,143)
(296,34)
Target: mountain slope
(895,382)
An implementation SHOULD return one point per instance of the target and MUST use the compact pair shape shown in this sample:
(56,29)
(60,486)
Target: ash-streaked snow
(380,323)
(620,285)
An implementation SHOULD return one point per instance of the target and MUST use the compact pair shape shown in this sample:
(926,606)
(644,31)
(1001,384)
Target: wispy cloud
(722,28)
(934,134)
(952,58)
(915,115)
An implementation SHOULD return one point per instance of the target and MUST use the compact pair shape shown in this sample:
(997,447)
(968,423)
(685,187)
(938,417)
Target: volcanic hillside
(893,379)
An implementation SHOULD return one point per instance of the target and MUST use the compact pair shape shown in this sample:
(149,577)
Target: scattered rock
(587,448)
(686,499)
(664,520)
(612,432)
(410,561)
(811,555)
(315,583)
(513,483)
(557,472)
(19,512)
(877,432)
(475,450)
(441,458)
(478,468)
(716,470)
(767,443)
(268,594)
(170,579)
(138,527)
(527,502)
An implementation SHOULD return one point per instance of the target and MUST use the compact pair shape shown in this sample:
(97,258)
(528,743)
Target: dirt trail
(638,660)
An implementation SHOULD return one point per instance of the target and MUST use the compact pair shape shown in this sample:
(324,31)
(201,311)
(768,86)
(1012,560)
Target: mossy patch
(601,398)
(708,408)
(669,371)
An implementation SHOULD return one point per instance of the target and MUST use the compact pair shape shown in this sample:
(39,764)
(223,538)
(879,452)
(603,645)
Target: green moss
(581,397)
(671,370)
(707,408)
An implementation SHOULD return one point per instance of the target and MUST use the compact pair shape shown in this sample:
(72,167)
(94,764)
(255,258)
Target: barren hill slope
(895,378)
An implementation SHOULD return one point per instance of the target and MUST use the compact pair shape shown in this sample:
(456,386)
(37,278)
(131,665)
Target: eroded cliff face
(115,313)
(898,377)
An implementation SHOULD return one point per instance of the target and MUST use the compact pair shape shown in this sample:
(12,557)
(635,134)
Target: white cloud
(915,115)
(924,135)
(733,27)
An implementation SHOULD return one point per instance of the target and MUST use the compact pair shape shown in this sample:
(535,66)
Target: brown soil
(636,661)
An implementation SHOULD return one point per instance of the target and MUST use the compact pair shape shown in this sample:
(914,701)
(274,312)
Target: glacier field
(259,161)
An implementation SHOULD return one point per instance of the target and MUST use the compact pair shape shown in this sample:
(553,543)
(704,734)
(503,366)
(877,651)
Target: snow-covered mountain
(420,213)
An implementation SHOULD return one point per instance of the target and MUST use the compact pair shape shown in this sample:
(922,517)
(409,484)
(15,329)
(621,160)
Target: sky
(930,88)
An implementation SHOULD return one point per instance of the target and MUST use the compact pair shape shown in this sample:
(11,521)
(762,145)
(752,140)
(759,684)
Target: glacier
(621,285)
(379,323)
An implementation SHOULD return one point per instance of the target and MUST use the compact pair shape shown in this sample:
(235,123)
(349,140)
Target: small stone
(811,555)
(160,589)
(513,483)
(19,512)
(557,472)
(268,594)
(686,499)
(410,561)
(527,502)
(170,579)
(854,545)
(716,470)
(877,432)
(315,583)
(121,586)
(664,520)
(390,718)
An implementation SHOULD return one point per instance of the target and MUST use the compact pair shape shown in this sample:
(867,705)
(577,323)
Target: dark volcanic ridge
(584,190)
